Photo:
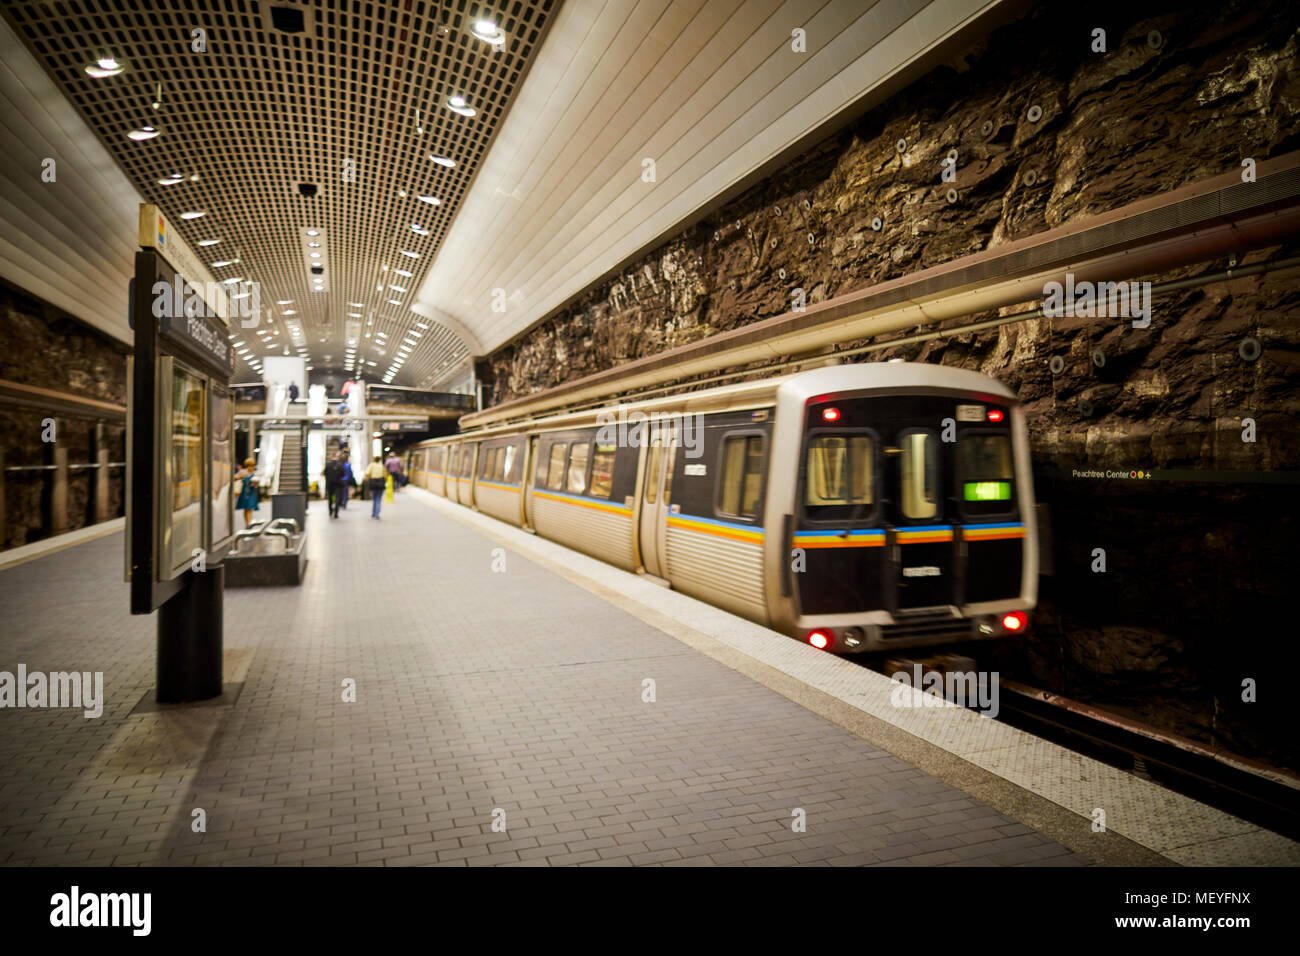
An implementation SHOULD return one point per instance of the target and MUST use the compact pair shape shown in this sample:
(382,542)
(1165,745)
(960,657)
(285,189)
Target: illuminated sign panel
(988,490)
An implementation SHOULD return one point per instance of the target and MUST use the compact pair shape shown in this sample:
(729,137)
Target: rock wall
(44,347)
(1047,131)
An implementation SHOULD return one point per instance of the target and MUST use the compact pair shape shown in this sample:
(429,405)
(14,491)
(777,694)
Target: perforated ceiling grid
(259,111)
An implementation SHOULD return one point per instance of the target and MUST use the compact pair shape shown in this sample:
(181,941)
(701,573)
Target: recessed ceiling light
(443,161)
(403,272)
(193,215)
(357,305)
(106,66)
(397,288)
(315,255)
(284,302)
(232,280)
(171,180)
(223,263)
(143,133)
(418,229)
(420,325)
(489,31)
(313,245)
(290,312)
(208,242)
(431,200)
(409,254)
(394,301)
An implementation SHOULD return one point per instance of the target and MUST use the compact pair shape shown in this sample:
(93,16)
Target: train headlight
(853,637)
(821,638)
(1014,621)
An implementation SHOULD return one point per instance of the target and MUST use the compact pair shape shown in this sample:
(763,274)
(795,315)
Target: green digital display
(988,491)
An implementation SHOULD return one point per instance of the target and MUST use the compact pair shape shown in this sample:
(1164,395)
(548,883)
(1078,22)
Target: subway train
(859,507)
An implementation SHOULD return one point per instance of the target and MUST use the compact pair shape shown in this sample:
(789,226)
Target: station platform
(501,679)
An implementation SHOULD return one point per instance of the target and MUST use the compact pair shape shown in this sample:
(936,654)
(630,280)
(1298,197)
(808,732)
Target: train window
(577,482)
(485,468)
(840,471)
(741,475)
(508,466)
(467,461)
(917,470)
(453,460)
(602,470)
(555,474)
(435,459)
(985,473)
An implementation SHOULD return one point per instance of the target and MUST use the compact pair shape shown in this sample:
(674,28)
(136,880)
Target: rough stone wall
(44,347)
(1221,84)
(1179,96)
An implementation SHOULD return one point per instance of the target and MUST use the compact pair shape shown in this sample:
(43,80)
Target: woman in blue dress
(248,491)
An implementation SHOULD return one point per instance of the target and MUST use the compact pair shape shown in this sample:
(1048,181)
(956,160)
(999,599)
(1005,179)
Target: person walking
(349,480)
(334,484)
(248,498)
(394,466)
(293,391)
(375,480)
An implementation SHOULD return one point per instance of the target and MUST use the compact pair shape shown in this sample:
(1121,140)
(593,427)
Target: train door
(919,532)
(529,473)
(655,498)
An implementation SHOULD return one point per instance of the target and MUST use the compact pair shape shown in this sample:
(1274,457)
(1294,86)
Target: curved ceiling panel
(715,93)
(304,132)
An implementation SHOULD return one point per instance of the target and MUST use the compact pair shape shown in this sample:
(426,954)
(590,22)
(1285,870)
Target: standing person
(394,466)
(334,484)
(248,498)
(293,391)
(349,479)
(375,481)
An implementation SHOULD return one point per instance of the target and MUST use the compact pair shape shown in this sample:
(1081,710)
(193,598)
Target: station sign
(422,425)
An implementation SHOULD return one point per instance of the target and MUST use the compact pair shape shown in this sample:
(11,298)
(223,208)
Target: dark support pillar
(189,639)
(59,489)
(101,474)
(2,498)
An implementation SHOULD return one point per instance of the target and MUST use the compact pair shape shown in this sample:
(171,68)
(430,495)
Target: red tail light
(831,414)
(1014,621)
(995,414)
(820,639)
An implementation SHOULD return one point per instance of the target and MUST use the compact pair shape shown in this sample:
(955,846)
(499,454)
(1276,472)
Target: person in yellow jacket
(375,477)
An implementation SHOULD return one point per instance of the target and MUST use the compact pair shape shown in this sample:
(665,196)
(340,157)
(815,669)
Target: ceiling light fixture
(418,229)
(284,302)
(408,253)
(488,31)
(208,242)
(431,200)
(443,161)
(403,272)
(143,133)
(171,180)
(313,232)
(105,66)
(457,104)
(196,214)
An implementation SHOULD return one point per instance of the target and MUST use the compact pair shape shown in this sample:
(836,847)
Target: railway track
(1256,792)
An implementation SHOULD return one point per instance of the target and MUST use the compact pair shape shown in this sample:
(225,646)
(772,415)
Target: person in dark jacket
(349,479)
(334,484)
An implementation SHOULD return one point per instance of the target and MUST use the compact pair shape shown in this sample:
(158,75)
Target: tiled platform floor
(477,691)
